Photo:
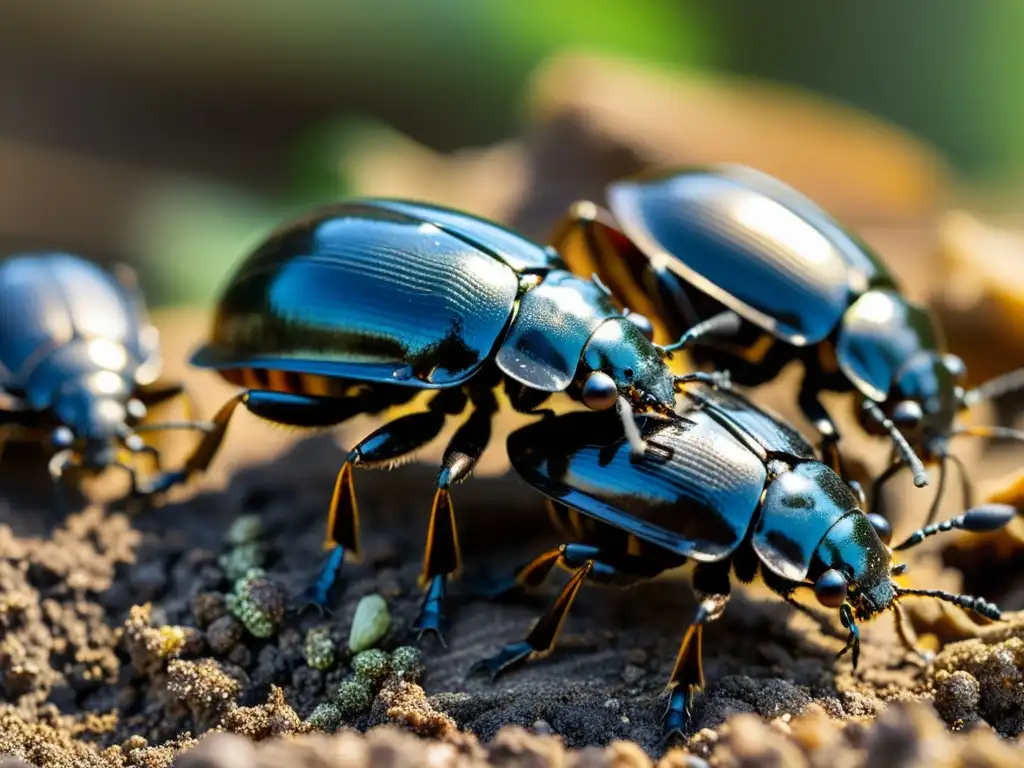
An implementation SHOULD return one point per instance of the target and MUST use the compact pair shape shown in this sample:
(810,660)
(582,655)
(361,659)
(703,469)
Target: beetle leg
(392,441)
(279,407)
(441,557)
(812,408)
(159,393)
(544,635)
(876,489)
(688,672)
(907,637)
(585,561)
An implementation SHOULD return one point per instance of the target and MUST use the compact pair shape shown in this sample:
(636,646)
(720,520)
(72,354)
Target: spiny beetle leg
(442,557)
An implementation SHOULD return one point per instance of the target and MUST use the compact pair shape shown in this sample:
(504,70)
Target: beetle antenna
(978,605)
(993,388)
(58,463)
(900,442)
(983,519)
(637,446)
(966,485)
(199,426)
(717,379)
(992,432)
(726,323)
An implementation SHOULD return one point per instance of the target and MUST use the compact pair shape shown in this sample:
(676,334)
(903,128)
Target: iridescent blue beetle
(730,487)
(755,276)
(361,307)
(79,363)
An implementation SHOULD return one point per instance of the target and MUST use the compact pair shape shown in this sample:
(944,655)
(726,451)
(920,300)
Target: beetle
(728,486)
(360,307)
(79,363)
(731,257)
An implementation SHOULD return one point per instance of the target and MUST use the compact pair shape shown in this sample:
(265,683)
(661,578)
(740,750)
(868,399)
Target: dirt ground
(107,615)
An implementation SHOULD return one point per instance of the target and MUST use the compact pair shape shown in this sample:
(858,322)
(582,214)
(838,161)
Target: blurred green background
(175,132)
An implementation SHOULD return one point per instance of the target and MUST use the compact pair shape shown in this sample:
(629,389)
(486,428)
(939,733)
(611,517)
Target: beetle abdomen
(363,293)
(288,382)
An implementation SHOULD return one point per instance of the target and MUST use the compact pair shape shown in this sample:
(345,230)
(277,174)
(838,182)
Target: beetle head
(852,565)
(619,350)
(925,399)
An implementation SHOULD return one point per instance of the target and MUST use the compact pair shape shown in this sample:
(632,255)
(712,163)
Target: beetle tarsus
(676,720)
(432,619)
(318,594)
(509,656)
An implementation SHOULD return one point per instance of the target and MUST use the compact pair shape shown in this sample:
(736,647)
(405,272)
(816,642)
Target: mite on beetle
(757,276)
(728,486)
(79,363)
(360,307)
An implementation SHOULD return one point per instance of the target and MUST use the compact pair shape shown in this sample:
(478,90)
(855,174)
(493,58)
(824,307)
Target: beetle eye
(642,323)
(882,527)
(136,409)
(956,367)
(62,437)
(830,588)
(907,414)
(599,392)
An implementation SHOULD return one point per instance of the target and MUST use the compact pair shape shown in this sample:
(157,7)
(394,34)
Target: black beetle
(728,486)
(359,307)
(735,258)
(79,362)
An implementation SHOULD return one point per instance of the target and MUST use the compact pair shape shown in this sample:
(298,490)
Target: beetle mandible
(760,274)
(79,363)
(361,306)
(730,487)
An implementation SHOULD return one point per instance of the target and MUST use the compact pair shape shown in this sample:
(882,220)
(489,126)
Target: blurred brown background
(172,133)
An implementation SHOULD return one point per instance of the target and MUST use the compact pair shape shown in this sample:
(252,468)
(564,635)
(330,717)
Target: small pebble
(319,648)
(244,530)
(631,673)
(371,666)
(353,696)
(224,634)
(407,663)
(370,624)
(326,717)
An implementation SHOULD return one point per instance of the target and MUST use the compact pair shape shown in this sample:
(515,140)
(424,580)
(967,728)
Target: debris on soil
(406,703)
(203,686)
(319,648)
(151,647)
(258,602)
(353,697)
(983,678)
(274,718)
(407,663)
(371,667)
(370,624)
(326,717)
